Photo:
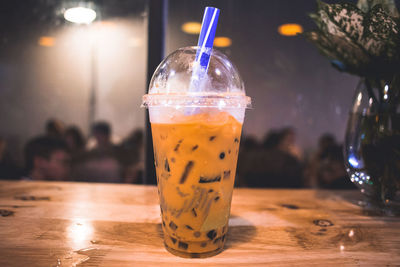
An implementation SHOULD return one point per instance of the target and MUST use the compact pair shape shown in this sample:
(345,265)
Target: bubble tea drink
(196,128)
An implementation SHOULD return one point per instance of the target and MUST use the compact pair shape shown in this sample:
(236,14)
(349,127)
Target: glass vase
(372,143)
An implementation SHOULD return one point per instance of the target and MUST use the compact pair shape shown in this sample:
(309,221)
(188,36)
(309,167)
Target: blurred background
(71,82)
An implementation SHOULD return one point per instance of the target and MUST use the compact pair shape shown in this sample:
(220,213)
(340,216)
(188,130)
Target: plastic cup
(196,134)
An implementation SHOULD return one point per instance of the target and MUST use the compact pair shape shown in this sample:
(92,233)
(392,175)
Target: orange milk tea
(195,159)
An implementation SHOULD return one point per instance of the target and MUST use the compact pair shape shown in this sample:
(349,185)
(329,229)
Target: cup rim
(212,100)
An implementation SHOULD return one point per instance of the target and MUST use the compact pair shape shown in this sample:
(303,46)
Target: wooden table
(67,224)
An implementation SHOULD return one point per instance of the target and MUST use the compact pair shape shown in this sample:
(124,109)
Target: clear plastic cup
(196,120)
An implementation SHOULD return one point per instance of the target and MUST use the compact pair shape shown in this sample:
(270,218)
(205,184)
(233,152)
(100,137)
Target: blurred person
(270,164)
(133,174)
(101,131)
(76,146)
(287,142)
(271,140)
(46,158)
(54,128)
(248,144)
(97,166)
(130,155)
(8,168)
(326,167)
(102,137)
(74,140)
(311,171)
(324,142)
(100,163)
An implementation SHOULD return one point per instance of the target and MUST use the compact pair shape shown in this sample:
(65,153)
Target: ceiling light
(46,41)
(191,27)
(222,41)
(290,29)
(80,15)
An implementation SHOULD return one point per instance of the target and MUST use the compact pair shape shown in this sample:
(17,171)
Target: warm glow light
(191,27)
(290,29)
(46,41)
(222,42)
(80,15)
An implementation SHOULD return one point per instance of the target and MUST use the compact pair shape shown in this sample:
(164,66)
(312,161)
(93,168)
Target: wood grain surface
(79,224)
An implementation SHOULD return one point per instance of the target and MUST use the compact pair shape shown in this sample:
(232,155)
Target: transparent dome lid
(179,80)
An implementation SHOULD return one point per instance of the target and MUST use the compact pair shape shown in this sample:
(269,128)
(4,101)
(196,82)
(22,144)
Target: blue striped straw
(207,34)
(205,44)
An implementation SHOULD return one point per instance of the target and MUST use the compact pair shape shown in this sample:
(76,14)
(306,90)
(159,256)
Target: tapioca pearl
(183,245)
(204,180)
(222,155)
(194,212)
(173,239)
(211,234)
(212,138)
(166,166)
(197,234)
(173,226)
(178,145)
(186,171)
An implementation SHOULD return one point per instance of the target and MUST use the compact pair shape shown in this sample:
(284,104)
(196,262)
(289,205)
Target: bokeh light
(191,27)
(222,41)
(46,41)
(290,29)
(80,15)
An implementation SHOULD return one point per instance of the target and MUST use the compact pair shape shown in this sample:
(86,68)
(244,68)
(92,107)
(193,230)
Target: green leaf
(344,21)
(388,5)
(381,35)
(366,41)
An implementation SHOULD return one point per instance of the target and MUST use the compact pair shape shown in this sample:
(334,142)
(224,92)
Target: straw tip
(207,34)
(211,8)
